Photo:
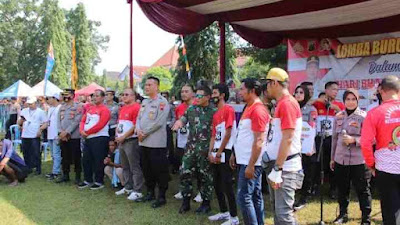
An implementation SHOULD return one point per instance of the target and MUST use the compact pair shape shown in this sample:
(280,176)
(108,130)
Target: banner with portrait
(354,62)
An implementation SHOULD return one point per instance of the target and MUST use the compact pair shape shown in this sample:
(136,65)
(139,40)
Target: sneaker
(232,221)
(219,216)
(96,186)
(300,204)
(134,196)
(14,183)
(123,191)
(84,185)
(198,198)
(49,175)
(178,196)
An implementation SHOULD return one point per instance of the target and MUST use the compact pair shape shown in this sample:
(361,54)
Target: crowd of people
(132,142)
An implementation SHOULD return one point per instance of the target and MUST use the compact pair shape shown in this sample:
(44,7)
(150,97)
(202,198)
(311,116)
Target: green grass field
(39,201)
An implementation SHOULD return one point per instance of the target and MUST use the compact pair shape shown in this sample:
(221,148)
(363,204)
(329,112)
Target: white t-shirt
(33,120)
(52,129)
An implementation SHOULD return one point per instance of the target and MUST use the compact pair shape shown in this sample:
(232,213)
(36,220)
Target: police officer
(68,135)
(152,135)
(195,158)
(113,107)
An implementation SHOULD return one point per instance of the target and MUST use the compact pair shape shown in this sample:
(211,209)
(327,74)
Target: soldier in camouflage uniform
(195,159)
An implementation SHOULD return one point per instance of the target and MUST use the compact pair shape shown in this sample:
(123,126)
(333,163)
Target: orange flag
(74,70)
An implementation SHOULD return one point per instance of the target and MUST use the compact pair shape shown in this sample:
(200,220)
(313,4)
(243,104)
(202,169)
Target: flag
(49,65)
(74,70)
(185,58)
(123,74)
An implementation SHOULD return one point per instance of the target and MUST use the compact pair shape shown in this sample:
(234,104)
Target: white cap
(56,96)
(31,100)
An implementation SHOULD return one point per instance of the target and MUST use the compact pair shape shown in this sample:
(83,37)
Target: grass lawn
(38,201)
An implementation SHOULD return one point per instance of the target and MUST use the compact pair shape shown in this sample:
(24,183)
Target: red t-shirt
(180,110)
(127,118)
(224,115)
(288,111)
(321,108)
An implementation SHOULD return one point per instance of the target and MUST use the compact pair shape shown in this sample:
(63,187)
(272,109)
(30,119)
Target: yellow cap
(277,74)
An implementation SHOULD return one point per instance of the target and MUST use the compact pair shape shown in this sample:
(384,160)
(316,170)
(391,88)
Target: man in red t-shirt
(221,143)
(327,111)
(249,147)
(382,126)
(283,154)
(129,146)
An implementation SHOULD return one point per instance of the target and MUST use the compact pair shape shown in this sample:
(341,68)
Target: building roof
(138,70)
(169,59)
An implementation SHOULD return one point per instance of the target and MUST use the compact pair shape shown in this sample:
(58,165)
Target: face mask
(215,100)
(66,99)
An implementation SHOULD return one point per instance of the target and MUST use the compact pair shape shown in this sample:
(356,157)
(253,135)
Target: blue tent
(18,89)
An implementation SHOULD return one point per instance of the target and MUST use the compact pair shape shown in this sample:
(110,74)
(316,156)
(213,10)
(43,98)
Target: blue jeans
(249,196)
(56,155)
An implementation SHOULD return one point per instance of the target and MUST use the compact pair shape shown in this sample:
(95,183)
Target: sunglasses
(199,96)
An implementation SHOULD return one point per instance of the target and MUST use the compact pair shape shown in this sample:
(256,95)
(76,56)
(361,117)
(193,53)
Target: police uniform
(152,121)
(114,109)
(195,158)
(68,121)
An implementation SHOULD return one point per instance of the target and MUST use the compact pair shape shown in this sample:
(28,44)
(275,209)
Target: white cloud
(149,41)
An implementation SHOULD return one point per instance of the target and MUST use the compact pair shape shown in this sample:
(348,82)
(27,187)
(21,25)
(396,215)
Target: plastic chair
(15,136)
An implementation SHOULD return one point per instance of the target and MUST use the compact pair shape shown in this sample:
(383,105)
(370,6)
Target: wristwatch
(277,168)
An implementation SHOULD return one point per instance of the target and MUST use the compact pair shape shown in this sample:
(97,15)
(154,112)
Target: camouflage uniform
(195,159)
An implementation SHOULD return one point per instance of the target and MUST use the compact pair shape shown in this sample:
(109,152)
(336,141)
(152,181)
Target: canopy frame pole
(222,61)
(131,81)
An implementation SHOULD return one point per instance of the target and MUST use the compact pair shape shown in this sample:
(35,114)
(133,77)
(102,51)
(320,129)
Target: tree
(53,28)
(253,69)
(103,80)
(161,73)
(202,54)
(116,87)
(276,57)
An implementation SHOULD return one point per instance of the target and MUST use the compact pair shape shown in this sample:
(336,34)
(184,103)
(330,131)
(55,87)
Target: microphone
(327,104)
(344,132)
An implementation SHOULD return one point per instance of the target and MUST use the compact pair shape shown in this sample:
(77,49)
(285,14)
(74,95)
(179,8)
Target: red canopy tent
(88,90)
(266,23)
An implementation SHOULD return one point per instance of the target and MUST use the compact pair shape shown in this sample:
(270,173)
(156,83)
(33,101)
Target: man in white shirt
(32,120)
(52,134)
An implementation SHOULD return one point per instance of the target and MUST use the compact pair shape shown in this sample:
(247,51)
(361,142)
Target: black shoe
(205,207)
(52,176)
(83,185)
(38,172)
(300,204)
(49,175)
(185,205)
(158,203)
(96,186)
(147,198)
(341,219)
(63,179)
(366,220)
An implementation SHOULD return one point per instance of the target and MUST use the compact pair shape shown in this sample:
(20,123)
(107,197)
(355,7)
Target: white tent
(38,89)
(18,89)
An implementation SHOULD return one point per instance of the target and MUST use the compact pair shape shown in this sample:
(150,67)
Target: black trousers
(178,157)
(309,174)
(31,152)
(94,152)
(111,133)
(326,146)
(11,121)
(170,146)
(223,185)
(389,190)
(155,169)
(359,176)
(71,153)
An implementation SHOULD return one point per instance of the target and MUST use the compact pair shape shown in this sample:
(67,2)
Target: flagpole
(131,81)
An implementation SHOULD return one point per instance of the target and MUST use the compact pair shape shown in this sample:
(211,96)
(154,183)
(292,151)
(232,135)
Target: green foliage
(103,80)
(202,53)
(161,73)
(275,57)
(253,69)
(26,29)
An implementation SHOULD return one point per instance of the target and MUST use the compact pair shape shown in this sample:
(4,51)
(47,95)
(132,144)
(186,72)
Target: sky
(149,41)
